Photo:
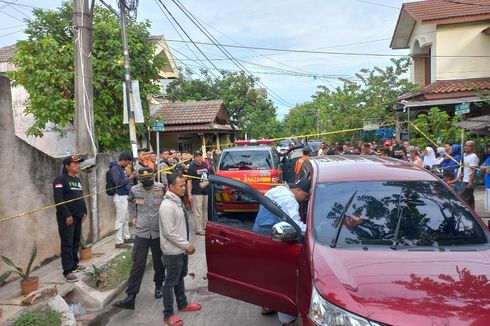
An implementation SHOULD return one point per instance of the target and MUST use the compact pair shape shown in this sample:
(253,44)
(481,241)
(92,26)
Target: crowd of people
(457,166)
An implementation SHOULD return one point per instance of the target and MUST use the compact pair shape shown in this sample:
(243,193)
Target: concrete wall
(26,179)
(423,37)
(51,143)
(463,39)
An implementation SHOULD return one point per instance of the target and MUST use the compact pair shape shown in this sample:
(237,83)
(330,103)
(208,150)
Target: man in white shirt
(288,199)
(467,173)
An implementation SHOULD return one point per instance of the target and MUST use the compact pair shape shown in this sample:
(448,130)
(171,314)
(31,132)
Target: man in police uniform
(144,203)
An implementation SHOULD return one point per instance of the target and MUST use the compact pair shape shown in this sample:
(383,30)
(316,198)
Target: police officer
(70,215)
(144,202)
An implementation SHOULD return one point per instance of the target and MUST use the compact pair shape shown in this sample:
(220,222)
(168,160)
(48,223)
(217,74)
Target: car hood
(406,287)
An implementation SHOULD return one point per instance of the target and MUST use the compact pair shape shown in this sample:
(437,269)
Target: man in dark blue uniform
(71,211)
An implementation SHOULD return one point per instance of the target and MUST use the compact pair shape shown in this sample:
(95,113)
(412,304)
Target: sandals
(174,321)
(192,307)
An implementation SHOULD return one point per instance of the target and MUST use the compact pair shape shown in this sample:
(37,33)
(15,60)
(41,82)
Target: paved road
(217,310)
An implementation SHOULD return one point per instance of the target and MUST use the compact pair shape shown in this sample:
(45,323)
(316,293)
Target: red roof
(448,11)
(450,89)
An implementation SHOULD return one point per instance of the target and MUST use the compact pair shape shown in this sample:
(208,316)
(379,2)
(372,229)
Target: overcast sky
(325,25)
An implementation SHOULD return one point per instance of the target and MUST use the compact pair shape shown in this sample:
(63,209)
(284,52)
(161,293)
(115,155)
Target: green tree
(248,110)
(438,126)
(367,97)
(45,68)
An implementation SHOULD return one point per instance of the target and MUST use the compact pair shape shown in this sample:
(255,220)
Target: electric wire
(192,41)
(335,53)
(180,35)
(225,51)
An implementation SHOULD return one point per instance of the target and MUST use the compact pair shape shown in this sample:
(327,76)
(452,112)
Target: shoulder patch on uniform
(58,185)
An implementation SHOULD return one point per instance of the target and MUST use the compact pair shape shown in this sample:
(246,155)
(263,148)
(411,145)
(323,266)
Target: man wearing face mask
(144,204)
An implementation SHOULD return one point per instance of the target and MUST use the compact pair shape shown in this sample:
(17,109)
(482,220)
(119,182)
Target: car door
(246,265)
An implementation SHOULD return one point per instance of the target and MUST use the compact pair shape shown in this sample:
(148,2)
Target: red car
(252,162)
(386,243)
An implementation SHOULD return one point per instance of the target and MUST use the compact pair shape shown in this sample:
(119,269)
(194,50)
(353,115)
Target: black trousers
(140,254)
(175,271)
(70,242)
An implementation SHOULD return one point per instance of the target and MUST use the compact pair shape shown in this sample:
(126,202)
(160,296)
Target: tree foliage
(348,106)
(438,126)
(45,68)
(248,110)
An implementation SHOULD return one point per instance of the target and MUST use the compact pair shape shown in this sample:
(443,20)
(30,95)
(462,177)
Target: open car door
(249,266)
(288,163)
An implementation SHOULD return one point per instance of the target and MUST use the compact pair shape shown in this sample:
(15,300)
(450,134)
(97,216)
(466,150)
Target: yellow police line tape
(71,200)
(311,135)
(168,170)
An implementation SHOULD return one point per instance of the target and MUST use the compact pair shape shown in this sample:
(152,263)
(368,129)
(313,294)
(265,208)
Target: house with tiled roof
(190,125)
(449,42)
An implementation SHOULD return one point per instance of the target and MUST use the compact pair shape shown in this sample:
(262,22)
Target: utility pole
(84,104)
(127,79)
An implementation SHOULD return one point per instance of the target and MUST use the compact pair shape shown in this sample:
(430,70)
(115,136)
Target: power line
(222,49)
(12,33)
(11,16)
(180,35)
(259,54)
(20,4)
(337,53)
(178,24)
(377,4)
(20,12)
(10,27)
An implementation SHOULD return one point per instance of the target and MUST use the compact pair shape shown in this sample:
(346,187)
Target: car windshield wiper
(394,245)
(341,220)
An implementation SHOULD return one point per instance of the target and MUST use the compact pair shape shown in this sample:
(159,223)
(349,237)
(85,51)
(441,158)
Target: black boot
(127,303)
(158,291)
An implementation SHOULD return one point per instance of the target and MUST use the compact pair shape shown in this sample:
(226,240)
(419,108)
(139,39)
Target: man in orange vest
(306,155)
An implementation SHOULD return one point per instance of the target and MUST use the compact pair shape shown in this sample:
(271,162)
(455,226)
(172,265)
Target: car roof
(247,148)
(337,168)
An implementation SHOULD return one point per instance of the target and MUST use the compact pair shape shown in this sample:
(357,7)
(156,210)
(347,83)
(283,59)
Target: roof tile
(6,53)
(189,112)
(434,11)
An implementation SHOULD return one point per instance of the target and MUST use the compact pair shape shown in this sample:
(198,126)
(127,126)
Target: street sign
(462,108)
(157,125)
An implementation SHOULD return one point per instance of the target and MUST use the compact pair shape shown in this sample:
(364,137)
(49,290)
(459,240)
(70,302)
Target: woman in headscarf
(456,152)
(429,158)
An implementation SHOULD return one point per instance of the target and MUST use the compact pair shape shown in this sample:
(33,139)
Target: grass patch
(113,273)
(45,317)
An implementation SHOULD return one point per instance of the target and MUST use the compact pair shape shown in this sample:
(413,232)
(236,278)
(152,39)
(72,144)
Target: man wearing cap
(123,184)
(70,215)
(144,204)
(302,159)
(288,199)
(197,191)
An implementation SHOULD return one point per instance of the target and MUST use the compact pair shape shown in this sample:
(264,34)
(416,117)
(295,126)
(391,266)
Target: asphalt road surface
(217,310)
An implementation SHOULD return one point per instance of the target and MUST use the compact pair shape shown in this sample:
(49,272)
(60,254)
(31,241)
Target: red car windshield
(246,160)
(393,213)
